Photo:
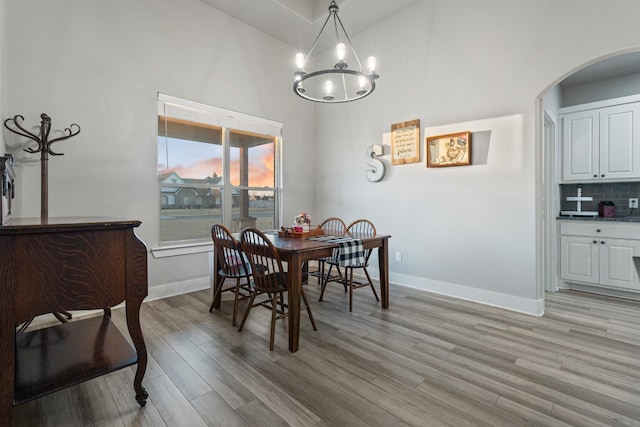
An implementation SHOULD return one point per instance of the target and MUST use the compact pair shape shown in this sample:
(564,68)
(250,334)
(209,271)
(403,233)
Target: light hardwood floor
(429,360)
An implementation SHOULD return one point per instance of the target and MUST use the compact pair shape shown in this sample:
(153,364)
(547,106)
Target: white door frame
(550,201)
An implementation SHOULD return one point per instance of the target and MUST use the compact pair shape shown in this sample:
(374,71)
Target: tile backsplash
(618,193)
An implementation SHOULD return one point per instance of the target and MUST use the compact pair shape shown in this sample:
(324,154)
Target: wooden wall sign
(405,142)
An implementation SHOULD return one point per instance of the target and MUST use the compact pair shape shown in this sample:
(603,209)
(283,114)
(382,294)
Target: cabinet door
(620,141)
(617,268)
(580,146)
(579,259)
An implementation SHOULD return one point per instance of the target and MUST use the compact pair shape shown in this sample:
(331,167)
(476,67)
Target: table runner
(349,253)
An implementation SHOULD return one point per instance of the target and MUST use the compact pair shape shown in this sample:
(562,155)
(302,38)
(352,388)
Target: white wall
(100,65)
(463,65)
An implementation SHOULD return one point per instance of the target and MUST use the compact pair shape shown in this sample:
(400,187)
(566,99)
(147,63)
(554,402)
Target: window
(214,166)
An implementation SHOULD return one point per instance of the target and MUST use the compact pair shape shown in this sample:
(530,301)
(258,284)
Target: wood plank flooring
(429,360)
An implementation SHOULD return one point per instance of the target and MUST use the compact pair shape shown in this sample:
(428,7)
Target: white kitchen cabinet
(617,268)
(580,259)
(601,143)
(580,146)
(600,254)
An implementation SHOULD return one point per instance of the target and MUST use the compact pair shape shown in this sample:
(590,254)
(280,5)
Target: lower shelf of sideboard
(50,359)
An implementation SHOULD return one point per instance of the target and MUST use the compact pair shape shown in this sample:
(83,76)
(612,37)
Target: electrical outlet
(633,202)
(399,256)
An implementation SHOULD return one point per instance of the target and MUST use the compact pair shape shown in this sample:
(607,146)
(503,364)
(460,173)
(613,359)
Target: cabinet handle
(595,241)
(595,176)
(598,230)
(602,175)
(602,242)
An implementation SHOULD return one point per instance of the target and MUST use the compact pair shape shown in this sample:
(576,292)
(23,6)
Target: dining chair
(358,229)
(330,226)
(232,264)
(270,278)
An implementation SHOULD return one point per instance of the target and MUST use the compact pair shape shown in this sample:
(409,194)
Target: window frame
(228,121)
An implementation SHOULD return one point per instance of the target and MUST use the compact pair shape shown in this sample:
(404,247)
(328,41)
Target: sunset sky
(191,159)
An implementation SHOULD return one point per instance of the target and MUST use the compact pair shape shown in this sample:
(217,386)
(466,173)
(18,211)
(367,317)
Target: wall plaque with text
(405,142)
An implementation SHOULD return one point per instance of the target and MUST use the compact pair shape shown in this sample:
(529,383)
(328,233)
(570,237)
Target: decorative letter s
(377,173)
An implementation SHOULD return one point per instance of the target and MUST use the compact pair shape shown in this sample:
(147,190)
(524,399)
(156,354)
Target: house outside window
(215,166)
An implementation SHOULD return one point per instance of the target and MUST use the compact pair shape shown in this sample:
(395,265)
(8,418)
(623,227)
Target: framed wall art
(453,149)
(405,142)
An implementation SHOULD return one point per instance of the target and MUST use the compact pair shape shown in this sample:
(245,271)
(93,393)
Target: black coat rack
(44,148)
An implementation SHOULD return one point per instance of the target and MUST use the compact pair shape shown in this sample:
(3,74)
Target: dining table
(296,251)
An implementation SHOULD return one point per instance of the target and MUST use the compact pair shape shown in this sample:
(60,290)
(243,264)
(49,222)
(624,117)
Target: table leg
(133,325)
(383,268)
(217,282)
(295,289)
(137,289)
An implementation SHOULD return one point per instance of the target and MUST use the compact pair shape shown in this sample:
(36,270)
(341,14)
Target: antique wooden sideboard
(60,264)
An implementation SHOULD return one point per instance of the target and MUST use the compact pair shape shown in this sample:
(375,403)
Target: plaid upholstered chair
(350,261)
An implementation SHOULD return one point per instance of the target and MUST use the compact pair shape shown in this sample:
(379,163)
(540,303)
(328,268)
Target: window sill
(183,249)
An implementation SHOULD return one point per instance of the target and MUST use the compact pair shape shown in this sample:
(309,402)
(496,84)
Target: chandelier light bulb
(371,62)
(328,88)
(362,82)
(299,61)
(341,48)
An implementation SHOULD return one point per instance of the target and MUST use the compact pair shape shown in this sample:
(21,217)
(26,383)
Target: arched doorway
(610,76)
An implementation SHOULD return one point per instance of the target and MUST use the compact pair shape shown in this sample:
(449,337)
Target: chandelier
(339,83)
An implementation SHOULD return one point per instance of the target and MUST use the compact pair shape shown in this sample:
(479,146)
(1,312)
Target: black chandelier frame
(350,85)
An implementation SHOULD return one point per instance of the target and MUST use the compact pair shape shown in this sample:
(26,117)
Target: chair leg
(350,289)
(235,302)
(274,313)
(321,269)
(216,295)
(341,277)
(306,305)
(325,279)
(282,308)
(246,312)
(373,288)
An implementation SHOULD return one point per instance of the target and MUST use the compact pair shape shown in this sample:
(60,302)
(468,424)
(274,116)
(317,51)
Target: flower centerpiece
(302,222)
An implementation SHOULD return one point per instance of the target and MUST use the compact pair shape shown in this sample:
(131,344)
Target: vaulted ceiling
(297,22)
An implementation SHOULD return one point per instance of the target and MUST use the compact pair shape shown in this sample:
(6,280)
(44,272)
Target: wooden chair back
(333,225)
(231,260)
(362,228)
(268,274)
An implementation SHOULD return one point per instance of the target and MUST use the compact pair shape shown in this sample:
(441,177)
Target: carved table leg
(133,324)
(136,292)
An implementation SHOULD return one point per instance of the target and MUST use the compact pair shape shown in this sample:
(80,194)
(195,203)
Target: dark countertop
(597,218)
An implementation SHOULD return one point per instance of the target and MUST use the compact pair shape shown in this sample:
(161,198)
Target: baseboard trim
(534,307)
(178,288)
